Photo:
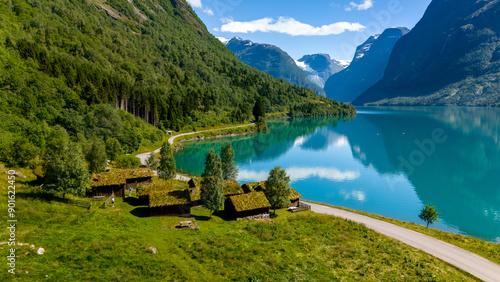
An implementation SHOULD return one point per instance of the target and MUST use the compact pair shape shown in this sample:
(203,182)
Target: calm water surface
(387,161)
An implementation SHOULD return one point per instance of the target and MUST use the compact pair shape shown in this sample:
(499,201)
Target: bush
(127,162)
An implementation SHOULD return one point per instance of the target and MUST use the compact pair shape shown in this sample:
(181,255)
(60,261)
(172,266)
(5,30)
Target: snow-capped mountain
(224,40)
(319,67)
(366,68)
(272,60)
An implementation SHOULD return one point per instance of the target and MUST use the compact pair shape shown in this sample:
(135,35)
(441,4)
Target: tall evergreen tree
(278,188)
(259,109)
(229,169)
(167,162)
(212,192)
(64,166)
(97,157)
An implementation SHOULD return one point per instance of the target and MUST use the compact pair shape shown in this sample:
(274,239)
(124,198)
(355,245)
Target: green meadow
(112,244)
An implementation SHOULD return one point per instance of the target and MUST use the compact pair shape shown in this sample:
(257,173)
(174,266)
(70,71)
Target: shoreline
(178,147)
(144,156)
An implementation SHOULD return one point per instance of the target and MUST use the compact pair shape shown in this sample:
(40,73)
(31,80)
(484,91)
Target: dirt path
(465,260)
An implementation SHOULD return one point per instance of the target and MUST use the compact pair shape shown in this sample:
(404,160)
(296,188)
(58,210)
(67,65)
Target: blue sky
(302,27)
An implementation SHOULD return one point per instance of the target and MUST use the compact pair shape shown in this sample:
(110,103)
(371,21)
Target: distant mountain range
(319,67)
(311,71)
(366,68)
(450,58)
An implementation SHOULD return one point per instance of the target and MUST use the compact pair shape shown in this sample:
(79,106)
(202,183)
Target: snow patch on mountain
(314,78)
(224,40)
(303,66)
(344,63)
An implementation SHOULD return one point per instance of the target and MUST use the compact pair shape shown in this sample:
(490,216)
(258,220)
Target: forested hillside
(65,66)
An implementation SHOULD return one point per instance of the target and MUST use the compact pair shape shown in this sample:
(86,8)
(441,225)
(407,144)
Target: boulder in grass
(152,249)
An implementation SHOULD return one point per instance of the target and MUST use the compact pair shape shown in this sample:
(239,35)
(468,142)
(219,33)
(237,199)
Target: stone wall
(259,216)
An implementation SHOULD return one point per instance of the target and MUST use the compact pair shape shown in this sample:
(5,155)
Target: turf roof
(144,189)
(250,201)
(169,198)
(119,177)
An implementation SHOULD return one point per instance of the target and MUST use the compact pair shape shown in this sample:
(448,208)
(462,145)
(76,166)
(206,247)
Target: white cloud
(300,140)
(226,20)
(299,173)
(252,175)
(367,4)
(289,26)
(208,11)
(195,3)
(333,174)
(356,195)
(216,29)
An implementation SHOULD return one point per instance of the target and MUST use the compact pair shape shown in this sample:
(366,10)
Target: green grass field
(483,248)
(112,244)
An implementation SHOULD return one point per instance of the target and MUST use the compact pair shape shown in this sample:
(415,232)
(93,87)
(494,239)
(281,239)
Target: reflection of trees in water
(482,121)
(263,146)
(460,177)
(367,144)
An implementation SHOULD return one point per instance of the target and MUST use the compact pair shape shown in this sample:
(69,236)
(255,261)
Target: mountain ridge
(459,66)
(319,67)
(367,66)
(271,60)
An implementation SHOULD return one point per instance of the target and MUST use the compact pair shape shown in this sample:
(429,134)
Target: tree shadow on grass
(221,214)
(140,212)
(44,197)
(201,217)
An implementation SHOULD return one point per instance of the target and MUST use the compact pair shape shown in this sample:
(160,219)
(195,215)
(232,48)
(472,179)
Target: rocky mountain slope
(271,60)
(319,67)
(366,68)
(451,57)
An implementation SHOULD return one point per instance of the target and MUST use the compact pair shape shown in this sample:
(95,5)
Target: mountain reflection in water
(386,161)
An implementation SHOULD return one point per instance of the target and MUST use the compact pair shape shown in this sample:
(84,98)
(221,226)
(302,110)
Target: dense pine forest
(87,70)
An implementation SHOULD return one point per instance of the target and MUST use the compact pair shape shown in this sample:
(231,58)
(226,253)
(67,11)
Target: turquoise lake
(386,161)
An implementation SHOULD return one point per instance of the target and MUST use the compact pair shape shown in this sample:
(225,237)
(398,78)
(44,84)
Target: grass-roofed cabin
(231,188)
(175,202)
(137,176)
(106,183)
(144,189)
(253,205)
(165,198)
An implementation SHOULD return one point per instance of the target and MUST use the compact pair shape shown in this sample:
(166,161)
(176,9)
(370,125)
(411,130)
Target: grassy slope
(112,244)
(484,248)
